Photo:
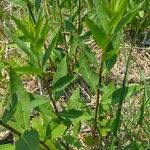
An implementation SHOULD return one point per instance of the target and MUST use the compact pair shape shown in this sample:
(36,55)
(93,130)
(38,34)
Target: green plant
(53,37)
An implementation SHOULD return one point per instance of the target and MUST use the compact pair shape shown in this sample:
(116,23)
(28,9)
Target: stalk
(117,121)
(98,99)
(62,24)
(49,94)
(19,134)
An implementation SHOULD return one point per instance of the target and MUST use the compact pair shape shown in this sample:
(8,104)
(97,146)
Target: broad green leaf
(20,104)
(63,82)
(75,101)
(52,45)
(12,103)
(98,34)
(47,113)
(58,131)
(88,74)
(128,17)
(102,15)
(38,101)
(61,70)
(129,91)
(38,124)
(7,147)
(28,141)
(71,113)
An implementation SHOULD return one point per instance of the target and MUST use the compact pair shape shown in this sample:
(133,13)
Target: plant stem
(117,121)
(98,98)
(49,94)
(62,24)
(19,134)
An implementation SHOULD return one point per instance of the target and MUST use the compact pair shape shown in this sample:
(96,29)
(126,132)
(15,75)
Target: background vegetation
(67,79)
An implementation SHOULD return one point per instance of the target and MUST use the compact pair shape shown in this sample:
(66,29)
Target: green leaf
(58,131)
(75,101)
(72,141)
(41,37)
(72,113)
(47,113)
(12,103)
(98,34)
(91,56)
(7,147)
(61,70)
(38,124)
(51,46)
(73,45)
(20,104)
(38,101)
(102,15)
(29,141)
(29,70)
(88,74)
(27,29)
(119,9)
(63,82)
(20,44)
(129,91)
(128,17)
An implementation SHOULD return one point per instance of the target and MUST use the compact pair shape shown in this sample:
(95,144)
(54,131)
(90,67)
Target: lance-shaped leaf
(27,28)
(61,70)
(20,105)
(98,33)
(127,18)
(102,15)
(120,7)
(28,141)
(88,74)
(63,82)
(41,33)
(12,103)
(20,44)
(51,46)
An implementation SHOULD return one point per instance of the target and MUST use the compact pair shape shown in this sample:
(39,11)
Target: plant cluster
(53,36)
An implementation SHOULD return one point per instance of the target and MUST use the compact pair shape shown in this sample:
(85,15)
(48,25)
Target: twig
(98,99)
